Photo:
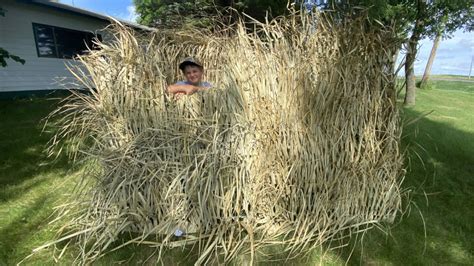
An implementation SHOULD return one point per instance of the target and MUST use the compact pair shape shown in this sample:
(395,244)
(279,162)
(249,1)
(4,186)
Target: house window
(56,42)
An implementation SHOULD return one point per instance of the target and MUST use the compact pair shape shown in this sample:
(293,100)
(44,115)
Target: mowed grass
(457,77)
(30,182)
(437,228)
(462,86)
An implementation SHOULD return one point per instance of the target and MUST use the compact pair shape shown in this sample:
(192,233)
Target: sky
(453,57)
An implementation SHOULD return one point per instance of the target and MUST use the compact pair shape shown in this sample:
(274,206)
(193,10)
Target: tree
(259,9)
(4,54)
(175,14)
(429,64)
(414,20)
(411,51)
(434,18)
(201,13)
(449,17)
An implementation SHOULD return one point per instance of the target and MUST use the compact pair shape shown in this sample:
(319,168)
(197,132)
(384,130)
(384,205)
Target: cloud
(129,15)
(467,43)
(132,13)
(453,55)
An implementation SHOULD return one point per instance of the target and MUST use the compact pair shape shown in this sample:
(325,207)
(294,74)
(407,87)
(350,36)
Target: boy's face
(193,74)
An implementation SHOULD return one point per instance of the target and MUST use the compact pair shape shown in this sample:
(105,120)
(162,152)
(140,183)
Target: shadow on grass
(29,220)
(188,255)
(22,143)
(146,255)
(25,172)
(441,167)
(440,176)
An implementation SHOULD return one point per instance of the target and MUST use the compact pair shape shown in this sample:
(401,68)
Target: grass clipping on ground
(297,143)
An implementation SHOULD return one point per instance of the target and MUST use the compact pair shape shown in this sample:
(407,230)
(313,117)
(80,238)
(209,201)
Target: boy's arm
(184,88)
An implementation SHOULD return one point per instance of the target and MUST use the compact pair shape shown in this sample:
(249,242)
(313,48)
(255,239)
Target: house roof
(84,12)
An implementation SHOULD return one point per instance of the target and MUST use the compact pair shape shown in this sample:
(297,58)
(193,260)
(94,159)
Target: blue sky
(123,9)
(453,57)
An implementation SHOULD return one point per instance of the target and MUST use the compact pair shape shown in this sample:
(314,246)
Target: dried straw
(297,143)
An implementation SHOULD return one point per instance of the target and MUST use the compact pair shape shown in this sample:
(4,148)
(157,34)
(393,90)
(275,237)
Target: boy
(193,72)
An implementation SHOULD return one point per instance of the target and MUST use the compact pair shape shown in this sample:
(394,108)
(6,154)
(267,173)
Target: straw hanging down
(297,143)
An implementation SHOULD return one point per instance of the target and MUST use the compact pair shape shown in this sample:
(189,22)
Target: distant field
(450,82)
(453,85)
(440,156)
(461,77)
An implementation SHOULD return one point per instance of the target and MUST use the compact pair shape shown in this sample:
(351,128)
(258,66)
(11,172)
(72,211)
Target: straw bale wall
(297,142)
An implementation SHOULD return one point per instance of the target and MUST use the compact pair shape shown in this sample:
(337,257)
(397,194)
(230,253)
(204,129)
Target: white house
(46,34)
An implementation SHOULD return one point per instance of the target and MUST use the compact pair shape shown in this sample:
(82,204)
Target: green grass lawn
(440,174)
(437,229)
(453,85)
(460,77)
(30,183)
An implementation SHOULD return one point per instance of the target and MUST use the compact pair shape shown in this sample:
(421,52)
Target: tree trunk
(395,58)
(429,64)
(411,53)
(410,72)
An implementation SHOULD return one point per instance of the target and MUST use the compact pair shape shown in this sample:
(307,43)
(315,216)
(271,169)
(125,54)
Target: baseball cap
(189,61)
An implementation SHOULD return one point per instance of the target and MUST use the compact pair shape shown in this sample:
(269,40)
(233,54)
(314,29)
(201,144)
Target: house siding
(17,37)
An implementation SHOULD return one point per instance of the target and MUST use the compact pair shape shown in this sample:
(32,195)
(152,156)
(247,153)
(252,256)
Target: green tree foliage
(259,9)
(449,15)
(4,54)
(413,20)
(175,14)
(201,13)
(433,18)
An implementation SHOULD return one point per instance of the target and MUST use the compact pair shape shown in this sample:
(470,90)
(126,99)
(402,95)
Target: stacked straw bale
(297,142)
